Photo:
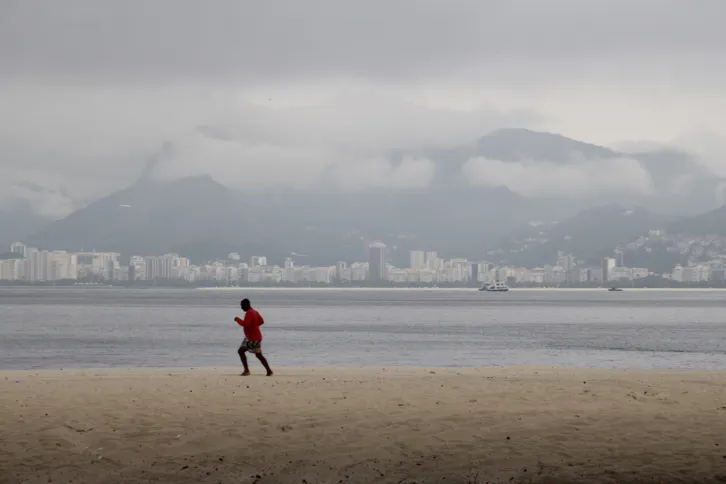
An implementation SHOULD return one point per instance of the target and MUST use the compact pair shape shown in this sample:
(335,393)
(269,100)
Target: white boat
(496,286)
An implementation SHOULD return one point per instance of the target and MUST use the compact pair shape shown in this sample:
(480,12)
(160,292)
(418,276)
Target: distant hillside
(148,218)
(204,220)
(589,235)
(701,238)
(17,223)
(329,225)
(524,144)
(709,223)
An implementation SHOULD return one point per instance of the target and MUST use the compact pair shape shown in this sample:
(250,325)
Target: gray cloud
(325,144)
(582,177)
(138,41)
(301,93)
(381,173)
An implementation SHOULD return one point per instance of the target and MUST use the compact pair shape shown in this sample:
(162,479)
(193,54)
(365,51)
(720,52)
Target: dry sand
(363,426)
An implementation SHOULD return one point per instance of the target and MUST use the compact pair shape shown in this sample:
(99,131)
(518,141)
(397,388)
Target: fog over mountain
(441,124)
(463,201)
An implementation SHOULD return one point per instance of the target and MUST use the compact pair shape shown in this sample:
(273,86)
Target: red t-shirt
(251,325)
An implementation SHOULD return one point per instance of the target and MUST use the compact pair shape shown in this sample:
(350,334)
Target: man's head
(245,305)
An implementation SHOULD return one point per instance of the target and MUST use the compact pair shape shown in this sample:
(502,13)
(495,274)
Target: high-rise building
(359,271)
(11,270)
(377,261)
(569,262)
(432,261)
(608,264)
(34,272)
(560,258)
(46,266)
(99,264)
(690,274)
(619,258)
(65,266)
(152,268)
(340,270)
(478,271)
(166,263)
(288,273)
(677,274)
(418,260)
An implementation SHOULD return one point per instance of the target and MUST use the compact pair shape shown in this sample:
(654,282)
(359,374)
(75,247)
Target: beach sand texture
(331,425)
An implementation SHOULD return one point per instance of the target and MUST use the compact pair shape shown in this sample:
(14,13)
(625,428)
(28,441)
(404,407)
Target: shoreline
(358,289)
(112,370)
(362,425)
(288,370)
(464,289)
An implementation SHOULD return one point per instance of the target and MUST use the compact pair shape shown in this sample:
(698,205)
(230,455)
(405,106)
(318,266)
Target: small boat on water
(615,289)
(496,286)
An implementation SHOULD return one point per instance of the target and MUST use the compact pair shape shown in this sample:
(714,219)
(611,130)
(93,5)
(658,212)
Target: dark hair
(245,303)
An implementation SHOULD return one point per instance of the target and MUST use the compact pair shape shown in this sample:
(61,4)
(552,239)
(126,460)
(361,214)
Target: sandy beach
(332,425)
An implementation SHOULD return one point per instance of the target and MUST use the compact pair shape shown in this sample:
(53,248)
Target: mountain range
(680,184)
(595,233)
(589,235)
(712,222)
(204,219)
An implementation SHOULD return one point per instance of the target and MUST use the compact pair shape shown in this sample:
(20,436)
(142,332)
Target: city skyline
(425,268)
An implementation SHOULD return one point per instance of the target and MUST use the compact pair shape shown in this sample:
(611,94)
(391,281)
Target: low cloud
(340,142)
(382,173)
(45,196)
(581,177)
(255,166)
(709,145)
(241,164)
(91,90)
(241,140)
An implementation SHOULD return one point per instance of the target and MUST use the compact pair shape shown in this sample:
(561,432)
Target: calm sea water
(70,327)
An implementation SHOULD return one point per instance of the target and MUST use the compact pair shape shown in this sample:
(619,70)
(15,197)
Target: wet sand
(331,425)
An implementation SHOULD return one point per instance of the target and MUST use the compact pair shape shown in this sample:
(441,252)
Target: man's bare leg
(263,360)
(241,352)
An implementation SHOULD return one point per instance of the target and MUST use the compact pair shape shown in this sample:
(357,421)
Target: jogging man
(253,337)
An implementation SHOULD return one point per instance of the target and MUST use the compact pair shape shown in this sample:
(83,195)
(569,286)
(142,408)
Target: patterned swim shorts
(251,346)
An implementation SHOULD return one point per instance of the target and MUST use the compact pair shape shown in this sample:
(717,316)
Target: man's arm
(241,322)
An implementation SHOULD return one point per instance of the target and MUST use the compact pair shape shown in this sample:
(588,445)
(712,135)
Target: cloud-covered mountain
(469,199)
(365,115)
(536,164)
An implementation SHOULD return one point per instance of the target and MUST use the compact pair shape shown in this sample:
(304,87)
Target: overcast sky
(277,92)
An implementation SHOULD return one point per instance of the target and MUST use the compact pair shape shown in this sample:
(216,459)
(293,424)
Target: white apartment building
(11,270)
(418,260)
(64,266)
(40,266)
(359,271)
(432,261)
